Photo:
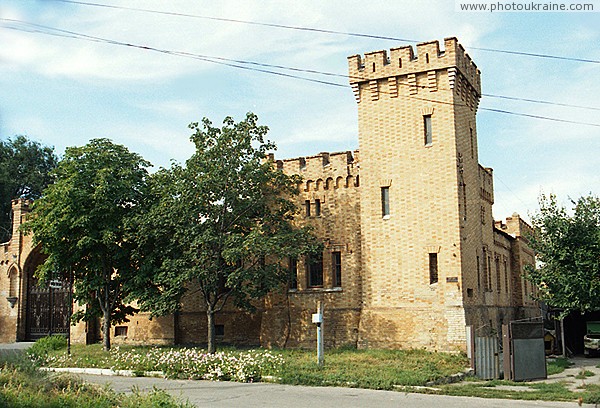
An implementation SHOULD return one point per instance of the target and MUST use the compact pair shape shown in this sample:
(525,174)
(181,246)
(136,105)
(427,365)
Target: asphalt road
(263,395)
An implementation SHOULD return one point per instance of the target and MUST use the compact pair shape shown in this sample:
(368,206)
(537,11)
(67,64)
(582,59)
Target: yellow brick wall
(333,179)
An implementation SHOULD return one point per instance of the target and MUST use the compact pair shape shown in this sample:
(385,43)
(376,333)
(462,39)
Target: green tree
(567,245)
(218,227)
(25,170)
(80,222)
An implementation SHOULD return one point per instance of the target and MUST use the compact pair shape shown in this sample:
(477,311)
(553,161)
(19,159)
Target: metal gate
(47,310)
(525,340)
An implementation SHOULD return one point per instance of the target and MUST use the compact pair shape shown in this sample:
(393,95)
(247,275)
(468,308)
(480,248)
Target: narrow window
(472,143)
(489,273)
(307,205)
(478,273)
(506,276)
(399,62)
(464,197)
(427,129)
(315,271)
(373,67)
(293,273)
(433,268)
(427,58)
(219,329)
(317,208)
(385,201)
(336,267)
(498,280)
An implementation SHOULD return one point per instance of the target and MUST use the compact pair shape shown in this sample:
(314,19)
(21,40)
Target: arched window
(13,282)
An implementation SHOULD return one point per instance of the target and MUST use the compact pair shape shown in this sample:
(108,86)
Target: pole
(320,336)
(562,337)
(70,311)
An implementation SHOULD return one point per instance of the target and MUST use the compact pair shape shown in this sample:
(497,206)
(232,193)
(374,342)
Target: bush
(38,352)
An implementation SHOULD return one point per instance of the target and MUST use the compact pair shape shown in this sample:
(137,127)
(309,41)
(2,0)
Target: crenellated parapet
(397,72)
(324,171)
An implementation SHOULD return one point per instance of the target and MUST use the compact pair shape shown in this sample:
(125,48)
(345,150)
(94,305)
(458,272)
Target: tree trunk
(106,329)
(210,316)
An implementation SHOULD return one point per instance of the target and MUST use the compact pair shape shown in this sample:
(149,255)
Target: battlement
(404,61)
(336,162)
(323,171)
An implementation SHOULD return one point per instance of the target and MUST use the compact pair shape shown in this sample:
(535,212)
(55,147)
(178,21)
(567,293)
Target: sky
(63,91)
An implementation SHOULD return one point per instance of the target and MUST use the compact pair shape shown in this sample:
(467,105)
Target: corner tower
(421,188)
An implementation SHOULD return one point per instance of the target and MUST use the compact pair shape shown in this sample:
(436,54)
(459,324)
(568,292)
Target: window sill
(316,290)
(386,217)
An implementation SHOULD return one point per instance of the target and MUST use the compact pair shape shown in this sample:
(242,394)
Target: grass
(583,374)
(375,369)
(557,365)
(407,370)
(22,385)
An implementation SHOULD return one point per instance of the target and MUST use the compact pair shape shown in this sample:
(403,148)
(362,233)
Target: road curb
(104,371)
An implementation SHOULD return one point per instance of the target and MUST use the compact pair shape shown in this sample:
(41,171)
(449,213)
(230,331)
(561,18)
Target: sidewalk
(580,364)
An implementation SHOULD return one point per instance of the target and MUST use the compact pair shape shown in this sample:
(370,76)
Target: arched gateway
(46,308)
(27,311)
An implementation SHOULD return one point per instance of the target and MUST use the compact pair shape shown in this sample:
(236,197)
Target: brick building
(412,254)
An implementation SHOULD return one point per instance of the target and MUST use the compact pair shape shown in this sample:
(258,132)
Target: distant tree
(568,252)
(218,227)
(25,170)
(80,222)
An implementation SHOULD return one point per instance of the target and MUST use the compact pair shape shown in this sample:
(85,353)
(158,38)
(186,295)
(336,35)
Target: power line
(240,64)
(321,30)
(513,98)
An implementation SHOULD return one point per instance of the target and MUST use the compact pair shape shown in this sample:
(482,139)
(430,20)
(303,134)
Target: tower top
(404,61)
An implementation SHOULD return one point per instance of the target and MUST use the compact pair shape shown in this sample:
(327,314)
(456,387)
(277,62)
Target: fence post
(506,352)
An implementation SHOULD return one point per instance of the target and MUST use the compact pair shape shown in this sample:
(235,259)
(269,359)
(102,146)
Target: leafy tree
(219,226)
(80,222)
(25,168)
(568,251)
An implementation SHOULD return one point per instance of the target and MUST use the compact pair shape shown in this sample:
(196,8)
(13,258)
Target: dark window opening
(464,197)
(472,143)
(498,281)
(307,205)
(336,266)
(478,273)
(385,201)
(219,329)
(317,208)
(293,273)
(315,271)
(428,130)
(433,268)
(121,331)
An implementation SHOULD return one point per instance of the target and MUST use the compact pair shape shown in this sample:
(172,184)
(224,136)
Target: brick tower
(424,196)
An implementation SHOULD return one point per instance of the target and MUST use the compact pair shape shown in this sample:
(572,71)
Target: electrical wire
(321,30)
(241,64)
